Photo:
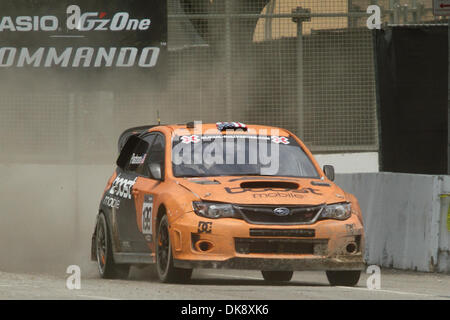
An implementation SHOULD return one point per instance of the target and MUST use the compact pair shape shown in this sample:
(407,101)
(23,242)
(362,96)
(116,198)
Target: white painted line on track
(66,36)
(342,287)
(96,297)
(389,291)
(20,285)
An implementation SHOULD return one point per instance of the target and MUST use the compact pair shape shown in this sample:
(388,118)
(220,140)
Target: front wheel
(343,278)
(105,260)
(164,259)
(277,276)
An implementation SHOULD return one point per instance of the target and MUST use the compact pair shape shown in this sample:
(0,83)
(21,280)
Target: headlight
(339,211)
(215,210)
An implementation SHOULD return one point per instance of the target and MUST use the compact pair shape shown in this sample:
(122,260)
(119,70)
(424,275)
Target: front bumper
(235,245)
(274,264)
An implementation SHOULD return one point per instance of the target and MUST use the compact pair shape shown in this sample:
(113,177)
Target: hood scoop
(204,181)
(269,184)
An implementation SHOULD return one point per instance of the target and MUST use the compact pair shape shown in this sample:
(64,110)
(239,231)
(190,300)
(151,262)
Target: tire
(343,278)
(167,273)
(103,248)
(277,276)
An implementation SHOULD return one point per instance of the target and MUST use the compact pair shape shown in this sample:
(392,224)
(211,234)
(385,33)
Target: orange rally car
(225,195)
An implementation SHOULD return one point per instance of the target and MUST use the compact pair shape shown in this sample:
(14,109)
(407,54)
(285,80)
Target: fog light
(351,247)
(204,245)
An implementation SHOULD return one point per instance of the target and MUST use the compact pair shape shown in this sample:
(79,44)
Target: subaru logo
(281,212)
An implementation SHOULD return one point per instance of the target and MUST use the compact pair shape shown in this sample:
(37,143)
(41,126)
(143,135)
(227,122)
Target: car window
(240,155)
(137,158)
(142,169)
(127,151)
(157,152)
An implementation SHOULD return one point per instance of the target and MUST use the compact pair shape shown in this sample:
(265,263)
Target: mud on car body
(230,207)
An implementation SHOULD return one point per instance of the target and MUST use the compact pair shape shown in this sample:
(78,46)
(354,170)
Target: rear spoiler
(131,132)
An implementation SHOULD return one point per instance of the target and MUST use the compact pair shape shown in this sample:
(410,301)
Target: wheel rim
(101,247)
(163,249)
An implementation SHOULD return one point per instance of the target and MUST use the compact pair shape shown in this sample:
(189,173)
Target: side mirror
(329,171)
(155,170)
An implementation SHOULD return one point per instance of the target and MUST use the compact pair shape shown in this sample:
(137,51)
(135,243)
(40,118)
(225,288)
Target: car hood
(264,190)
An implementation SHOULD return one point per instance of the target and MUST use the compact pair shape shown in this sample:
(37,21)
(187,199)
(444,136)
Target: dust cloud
(58,146)
(56,154)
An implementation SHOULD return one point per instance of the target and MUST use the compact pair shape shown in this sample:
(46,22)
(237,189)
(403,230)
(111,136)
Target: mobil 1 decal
(83,36)
(147,209)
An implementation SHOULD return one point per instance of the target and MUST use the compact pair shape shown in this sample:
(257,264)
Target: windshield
(233,155)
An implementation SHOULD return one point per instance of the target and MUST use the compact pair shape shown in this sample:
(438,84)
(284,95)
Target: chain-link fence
(307,66)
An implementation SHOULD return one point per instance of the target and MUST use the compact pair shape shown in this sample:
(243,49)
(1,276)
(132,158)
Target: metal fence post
(74,98)
(448,98)
(228,70)
(300,95)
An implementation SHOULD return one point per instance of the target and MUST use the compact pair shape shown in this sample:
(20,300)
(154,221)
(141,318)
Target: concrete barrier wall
(350,162)
(403,218)
(47,215)
(444,232)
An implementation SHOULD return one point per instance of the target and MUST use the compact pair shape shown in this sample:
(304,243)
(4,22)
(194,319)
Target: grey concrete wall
(444,232)
(403,218)
(350,162)
(47,215)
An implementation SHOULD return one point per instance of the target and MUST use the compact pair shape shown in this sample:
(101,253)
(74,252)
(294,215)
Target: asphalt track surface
(222,285)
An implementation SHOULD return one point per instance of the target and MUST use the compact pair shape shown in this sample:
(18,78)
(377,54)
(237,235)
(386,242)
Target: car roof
(211,128)
(206,128)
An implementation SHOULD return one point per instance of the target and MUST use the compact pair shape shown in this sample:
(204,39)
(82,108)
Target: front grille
(265,214)
(282,232)
(278,246)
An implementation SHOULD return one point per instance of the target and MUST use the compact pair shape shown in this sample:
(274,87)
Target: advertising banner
(122,39)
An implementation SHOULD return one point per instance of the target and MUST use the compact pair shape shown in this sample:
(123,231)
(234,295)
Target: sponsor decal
(111,202)
(147,209)
(137,159)
(190,139)
(277,195)
(76,20)
(122,187)
(28,23)
(448,218)
(103,21)
(283,140)
(79,57)
(237,190)
(204,227)
(125,244)
(96,34)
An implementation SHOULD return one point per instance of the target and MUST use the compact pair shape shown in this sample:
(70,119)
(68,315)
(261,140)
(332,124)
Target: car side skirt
(133,258)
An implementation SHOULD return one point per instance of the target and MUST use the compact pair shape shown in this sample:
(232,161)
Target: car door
(146,188)
(131,169)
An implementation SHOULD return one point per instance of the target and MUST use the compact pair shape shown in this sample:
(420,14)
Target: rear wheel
(105,260)
(344,278)
(277,276)
(164,258)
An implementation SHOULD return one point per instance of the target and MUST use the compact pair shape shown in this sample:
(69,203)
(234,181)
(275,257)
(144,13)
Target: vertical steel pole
(448,98)
(73,145)
(414,10)
(228,63)
(300,93)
